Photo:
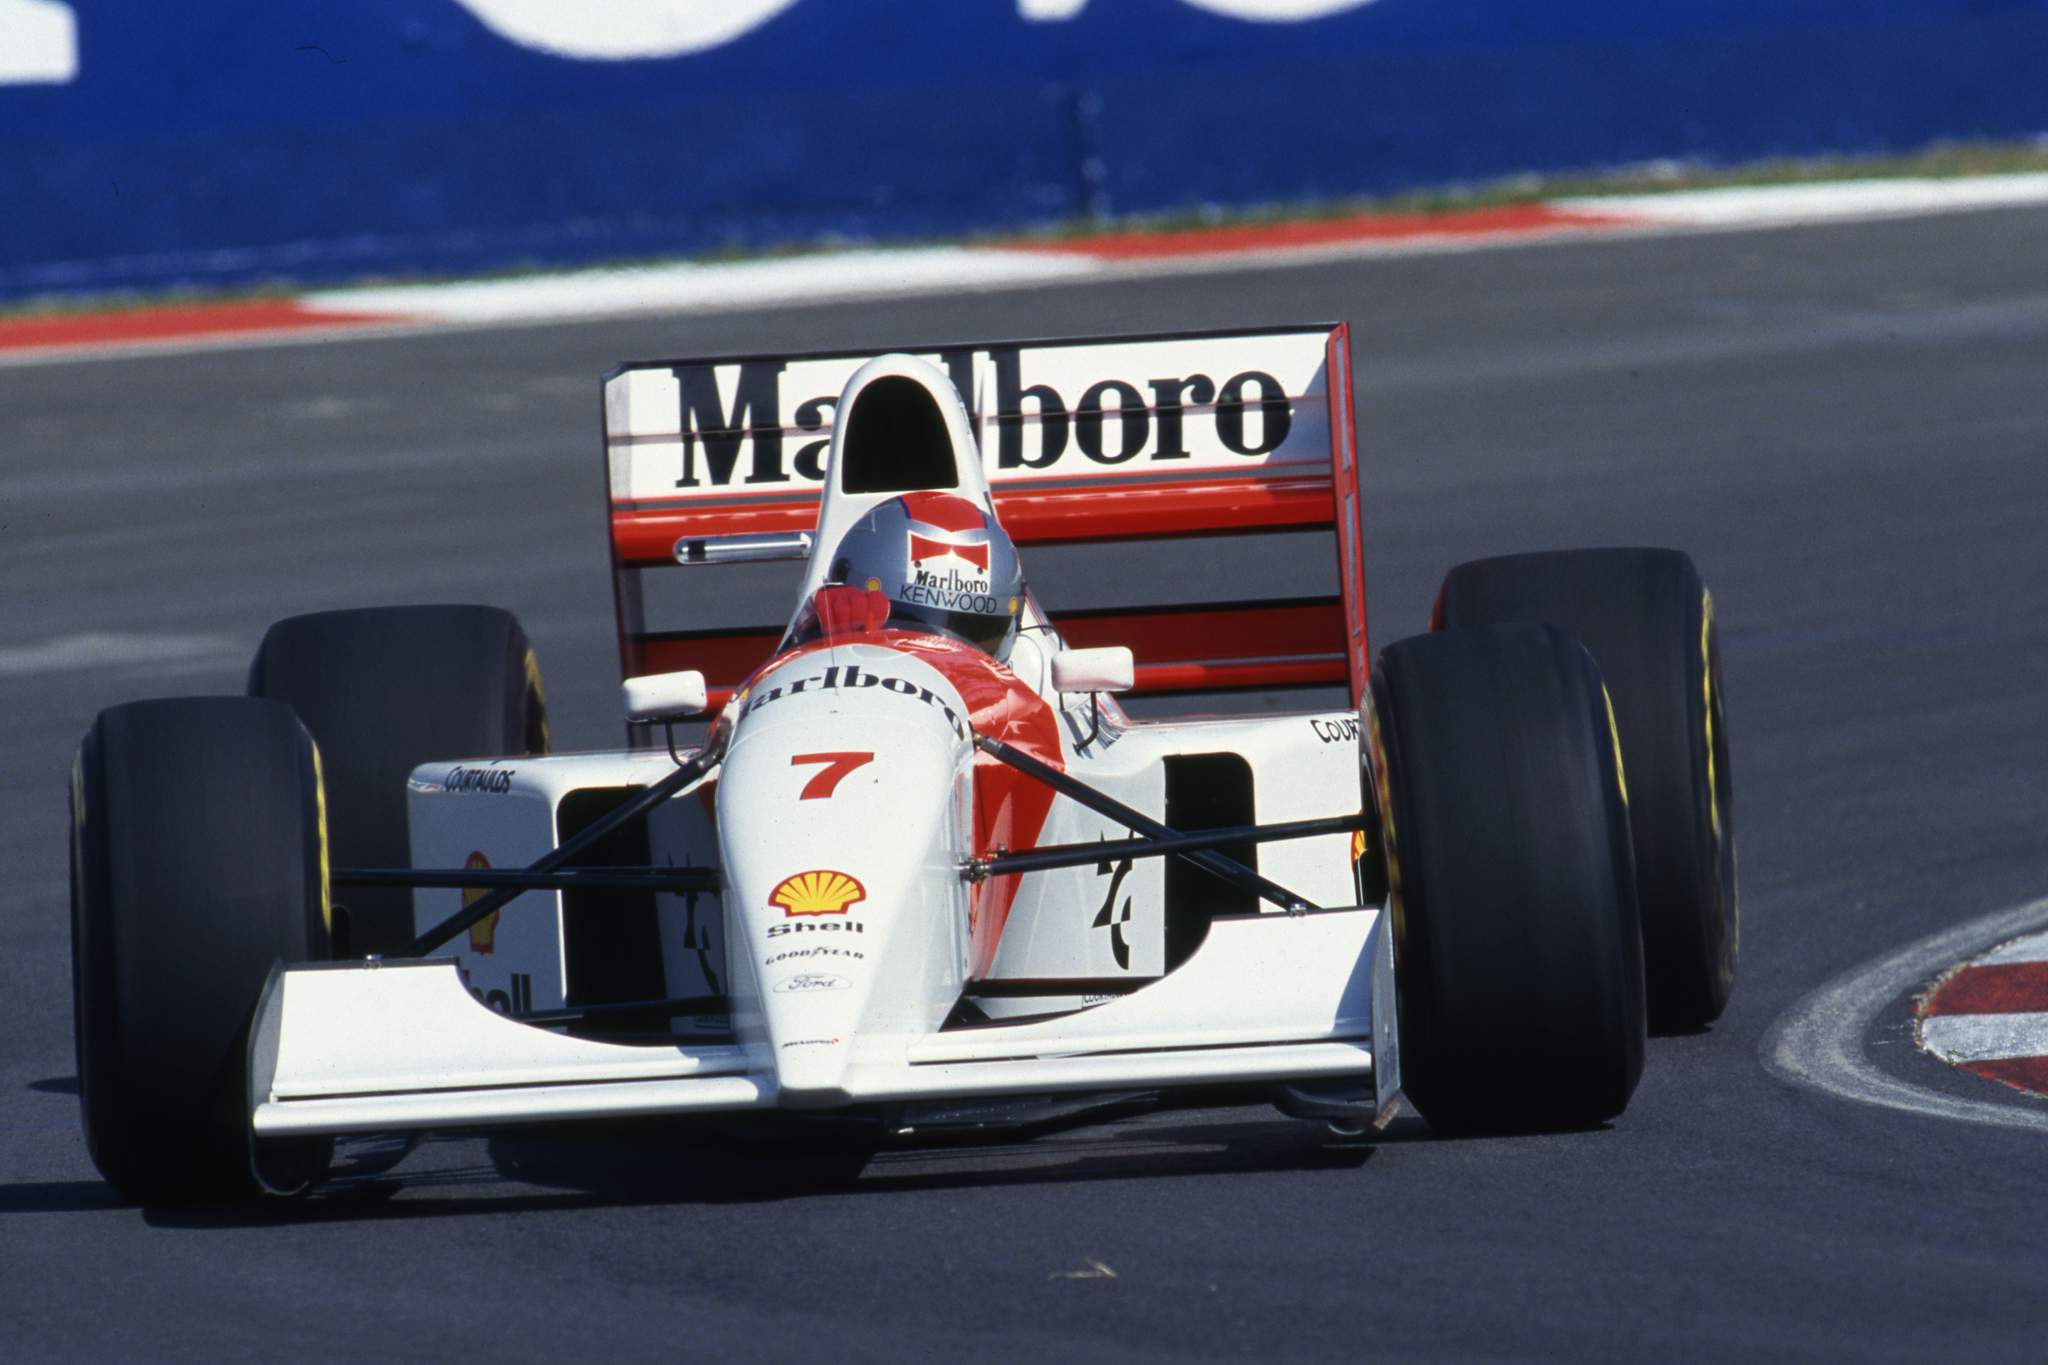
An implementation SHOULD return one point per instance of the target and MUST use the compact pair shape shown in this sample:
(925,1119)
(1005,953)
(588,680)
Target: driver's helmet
(943,563)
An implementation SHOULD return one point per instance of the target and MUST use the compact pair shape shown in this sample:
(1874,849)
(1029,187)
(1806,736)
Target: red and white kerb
(1990,1016)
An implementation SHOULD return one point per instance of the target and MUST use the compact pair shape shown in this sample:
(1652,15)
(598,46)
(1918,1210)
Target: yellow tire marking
(320,810)
(1383,798)
(1614,738)
(540,696)
(1707,696)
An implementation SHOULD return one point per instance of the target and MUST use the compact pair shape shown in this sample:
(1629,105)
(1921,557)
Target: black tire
(383,690)
(1649,621)
(197,862)
(1517,956)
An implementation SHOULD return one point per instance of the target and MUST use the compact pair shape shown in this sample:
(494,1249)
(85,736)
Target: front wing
(390,1047)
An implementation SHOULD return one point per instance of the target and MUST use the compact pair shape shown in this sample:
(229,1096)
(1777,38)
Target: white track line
(711,287)
(842,276)
(708,288)
(1819,1041)
(1833,201)
(847,276)
(114,649)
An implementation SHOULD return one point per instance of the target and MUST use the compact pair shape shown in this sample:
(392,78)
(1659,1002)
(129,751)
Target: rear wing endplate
(1165,437)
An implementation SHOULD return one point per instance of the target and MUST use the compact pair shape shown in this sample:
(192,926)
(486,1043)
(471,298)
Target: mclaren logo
(817,893)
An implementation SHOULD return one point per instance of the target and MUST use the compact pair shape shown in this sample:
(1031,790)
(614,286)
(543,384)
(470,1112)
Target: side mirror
(666,696)
(1110,669)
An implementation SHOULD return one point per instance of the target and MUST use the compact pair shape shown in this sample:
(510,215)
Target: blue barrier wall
(248,139)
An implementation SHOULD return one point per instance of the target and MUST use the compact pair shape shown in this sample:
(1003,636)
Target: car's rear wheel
(197,862)
(383,690)
(1649,622)
(1518,960)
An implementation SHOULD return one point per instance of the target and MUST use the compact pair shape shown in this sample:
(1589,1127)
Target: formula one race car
(922,869)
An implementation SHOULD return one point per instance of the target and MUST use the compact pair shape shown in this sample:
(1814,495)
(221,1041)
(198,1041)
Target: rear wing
(1166,437)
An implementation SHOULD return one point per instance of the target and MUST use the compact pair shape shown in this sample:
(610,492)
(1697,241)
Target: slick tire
(1649,622)
(197,862)
(1517,955)
(383,690)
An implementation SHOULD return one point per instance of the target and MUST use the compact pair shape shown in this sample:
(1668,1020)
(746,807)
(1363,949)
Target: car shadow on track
(601,1168)
(58,1196)
(592,1168)
(1151,1151)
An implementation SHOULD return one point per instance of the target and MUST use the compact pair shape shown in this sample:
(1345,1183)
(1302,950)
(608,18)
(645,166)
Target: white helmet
(943,563)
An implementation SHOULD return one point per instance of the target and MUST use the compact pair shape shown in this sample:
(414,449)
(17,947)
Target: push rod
(1080,855)
(1210,861)
(568,879)
(487,905)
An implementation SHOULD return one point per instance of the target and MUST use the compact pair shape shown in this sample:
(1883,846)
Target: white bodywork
(1276,998)
(841,933)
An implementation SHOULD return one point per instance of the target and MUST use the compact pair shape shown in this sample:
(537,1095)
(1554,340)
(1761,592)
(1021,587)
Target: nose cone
(819,971)
(813,1017)
(835,821)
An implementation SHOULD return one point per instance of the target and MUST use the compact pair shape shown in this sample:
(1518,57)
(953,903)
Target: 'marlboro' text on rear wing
(1175,436)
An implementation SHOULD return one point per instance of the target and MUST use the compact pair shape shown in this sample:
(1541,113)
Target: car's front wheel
(1517,956)
(198,861)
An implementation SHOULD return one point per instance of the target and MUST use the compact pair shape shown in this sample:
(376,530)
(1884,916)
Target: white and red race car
(905,880)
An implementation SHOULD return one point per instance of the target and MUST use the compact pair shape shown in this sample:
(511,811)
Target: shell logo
(817,893)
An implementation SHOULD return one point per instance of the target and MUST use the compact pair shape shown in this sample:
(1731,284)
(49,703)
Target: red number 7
(837,766)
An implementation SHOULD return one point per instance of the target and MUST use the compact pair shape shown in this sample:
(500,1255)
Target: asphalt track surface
(1847,426)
